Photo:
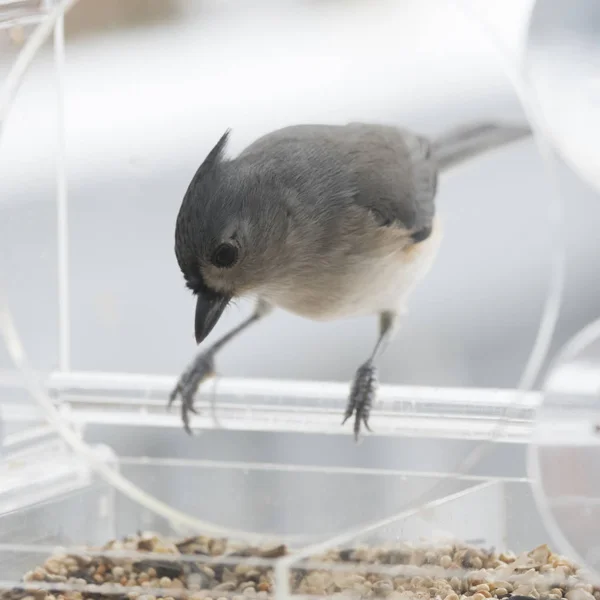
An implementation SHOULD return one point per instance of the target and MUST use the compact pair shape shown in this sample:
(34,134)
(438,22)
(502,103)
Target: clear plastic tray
(323,507)
(311,504)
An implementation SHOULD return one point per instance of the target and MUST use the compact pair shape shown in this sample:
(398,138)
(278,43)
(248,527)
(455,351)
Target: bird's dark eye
(224,256)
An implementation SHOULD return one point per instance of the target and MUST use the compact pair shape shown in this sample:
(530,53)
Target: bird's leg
(364,386)
(203,366)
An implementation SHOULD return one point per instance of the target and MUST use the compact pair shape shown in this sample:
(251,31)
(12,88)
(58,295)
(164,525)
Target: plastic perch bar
(284,405)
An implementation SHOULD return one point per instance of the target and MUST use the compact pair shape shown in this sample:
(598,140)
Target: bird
(325,221)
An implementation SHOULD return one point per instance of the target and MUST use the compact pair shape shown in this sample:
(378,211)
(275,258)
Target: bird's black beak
(209,308)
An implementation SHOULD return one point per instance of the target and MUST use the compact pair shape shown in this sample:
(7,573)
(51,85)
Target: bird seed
(217,569)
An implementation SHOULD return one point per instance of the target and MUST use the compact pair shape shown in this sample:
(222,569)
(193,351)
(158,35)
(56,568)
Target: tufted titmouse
(324,221)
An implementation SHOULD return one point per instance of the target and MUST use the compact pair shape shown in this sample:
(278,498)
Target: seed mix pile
(454,572)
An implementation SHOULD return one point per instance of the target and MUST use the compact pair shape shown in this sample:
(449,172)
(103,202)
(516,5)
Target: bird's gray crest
(215,156)
(187,219)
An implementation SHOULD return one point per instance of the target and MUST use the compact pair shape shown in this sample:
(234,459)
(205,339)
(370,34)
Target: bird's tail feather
(463,143)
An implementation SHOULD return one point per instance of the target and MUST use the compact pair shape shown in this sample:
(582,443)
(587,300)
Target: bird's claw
(361,397)
(200,369)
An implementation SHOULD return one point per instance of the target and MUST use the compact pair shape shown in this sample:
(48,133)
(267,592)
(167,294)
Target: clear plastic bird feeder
(99,137)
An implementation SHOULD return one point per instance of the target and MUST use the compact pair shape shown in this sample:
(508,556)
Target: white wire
(26,56)
(64,310)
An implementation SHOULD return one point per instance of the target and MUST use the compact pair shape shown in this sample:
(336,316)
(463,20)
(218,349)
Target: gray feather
(385,170)
(389,171)
(463,143)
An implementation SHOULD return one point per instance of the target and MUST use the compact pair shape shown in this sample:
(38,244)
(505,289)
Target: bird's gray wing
(387,170)
(396,175)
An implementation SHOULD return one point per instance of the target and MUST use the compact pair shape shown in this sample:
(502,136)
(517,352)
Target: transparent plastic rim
(183,521)
(573,347)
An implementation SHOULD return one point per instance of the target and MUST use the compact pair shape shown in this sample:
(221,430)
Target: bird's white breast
(368,284)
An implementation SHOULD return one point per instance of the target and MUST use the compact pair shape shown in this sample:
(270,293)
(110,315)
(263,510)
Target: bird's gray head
(230,233)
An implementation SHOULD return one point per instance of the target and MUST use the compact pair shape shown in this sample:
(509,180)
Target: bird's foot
(201,368)
(361,397)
